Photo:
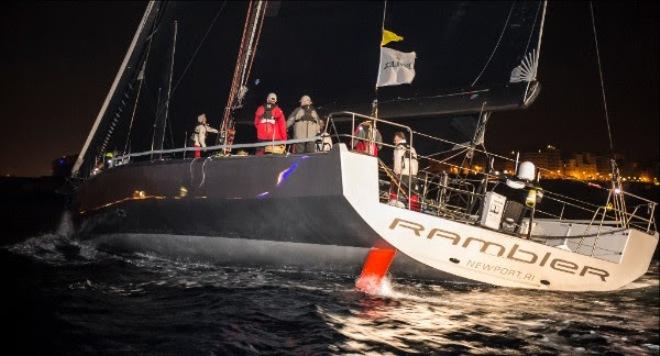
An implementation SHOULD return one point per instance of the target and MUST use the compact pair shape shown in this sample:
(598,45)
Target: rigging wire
(150,37)
(135,105)
(199,46)
(602,82)
(618,199)
(142,78)
(169,89)
(192,59)
(497,45)
(531,33)
(536,54)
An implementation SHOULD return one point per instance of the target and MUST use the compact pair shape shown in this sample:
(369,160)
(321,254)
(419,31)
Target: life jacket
(365,134)
(307,114)
(268,114)
(270,123)
(409,156)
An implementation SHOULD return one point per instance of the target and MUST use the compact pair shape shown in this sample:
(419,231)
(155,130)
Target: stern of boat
(477,253)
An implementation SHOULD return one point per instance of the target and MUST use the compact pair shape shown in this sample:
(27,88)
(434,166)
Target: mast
(138,42)
(248,48)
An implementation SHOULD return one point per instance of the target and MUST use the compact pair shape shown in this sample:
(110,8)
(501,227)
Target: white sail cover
(395,67)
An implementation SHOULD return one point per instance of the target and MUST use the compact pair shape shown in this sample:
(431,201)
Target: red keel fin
(375,268)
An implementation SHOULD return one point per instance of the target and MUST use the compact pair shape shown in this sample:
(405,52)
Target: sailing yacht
(333,209)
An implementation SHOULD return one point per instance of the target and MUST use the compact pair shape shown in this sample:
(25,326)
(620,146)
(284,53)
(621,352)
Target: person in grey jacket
(306,124)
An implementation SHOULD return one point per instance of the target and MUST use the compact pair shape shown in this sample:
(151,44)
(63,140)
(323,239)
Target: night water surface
(66,297)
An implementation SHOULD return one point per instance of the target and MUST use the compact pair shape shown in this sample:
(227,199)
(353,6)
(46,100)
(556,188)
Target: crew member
(405,169)
(199,136)
(271,125)
(367,138)
(306,124)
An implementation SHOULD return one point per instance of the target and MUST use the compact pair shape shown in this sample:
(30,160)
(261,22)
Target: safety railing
(455,190)
(640,214)
(448,188)
(371,141)
(124,159)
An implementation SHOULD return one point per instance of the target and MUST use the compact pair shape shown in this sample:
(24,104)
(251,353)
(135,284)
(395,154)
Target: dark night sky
(569,111)
(59,59)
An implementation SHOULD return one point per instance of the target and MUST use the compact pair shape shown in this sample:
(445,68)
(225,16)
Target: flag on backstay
(395,67)
(389,36)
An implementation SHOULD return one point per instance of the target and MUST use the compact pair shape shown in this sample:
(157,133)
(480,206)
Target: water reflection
(155,305)
(481,319)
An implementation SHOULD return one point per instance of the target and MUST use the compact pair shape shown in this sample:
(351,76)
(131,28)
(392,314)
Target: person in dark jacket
(306,124)
(271,125)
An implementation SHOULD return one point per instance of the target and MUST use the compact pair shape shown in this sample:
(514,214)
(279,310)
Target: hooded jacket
(271,127)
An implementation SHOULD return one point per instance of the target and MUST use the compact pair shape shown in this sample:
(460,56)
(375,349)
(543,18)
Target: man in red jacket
(271,125)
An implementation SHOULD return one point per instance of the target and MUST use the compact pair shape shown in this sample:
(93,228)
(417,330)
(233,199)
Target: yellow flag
(389,36)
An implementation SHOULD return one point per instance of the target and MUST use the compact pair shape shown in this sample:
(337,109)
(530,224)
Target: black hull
(237,197)
(271,211)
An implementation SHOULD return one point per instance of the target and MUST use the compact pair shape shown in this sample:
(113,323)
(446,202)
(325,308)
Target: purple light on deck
(282,177)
